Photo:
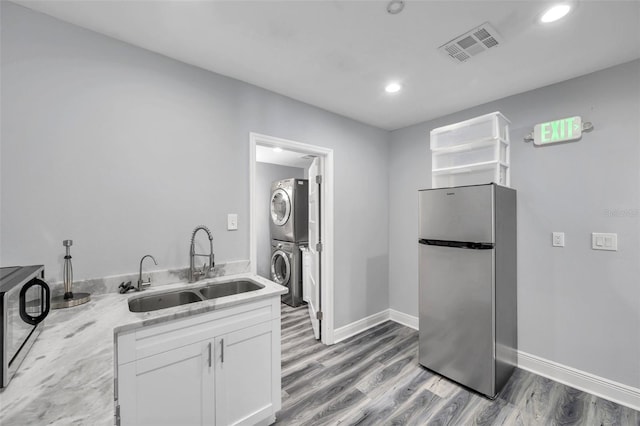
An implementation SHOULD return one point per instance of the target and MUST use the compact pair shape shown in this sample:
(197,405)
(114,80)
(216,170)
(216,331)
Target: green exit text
(565,129)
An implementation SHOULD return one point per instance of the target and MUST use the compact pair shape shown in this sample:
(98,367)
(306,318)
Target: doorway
(319,162)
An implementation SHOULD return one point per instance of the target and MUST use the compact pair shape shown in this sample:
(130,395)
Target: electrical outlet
(604,241)
(232,222)
(558,239)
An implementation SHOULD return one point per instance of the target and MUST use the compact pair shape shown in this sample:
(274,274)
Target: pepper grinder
(68,299)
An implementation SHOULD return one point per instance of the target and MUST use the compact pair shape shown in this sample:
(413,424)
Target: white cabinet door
(244,376)
(171,388)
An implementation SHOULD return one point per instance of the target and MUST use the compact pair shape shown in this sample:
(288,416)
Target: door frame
(326,212)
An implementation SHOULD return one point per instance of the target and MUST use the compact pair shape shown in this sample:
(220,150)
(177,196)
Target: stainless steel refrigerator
(467,274)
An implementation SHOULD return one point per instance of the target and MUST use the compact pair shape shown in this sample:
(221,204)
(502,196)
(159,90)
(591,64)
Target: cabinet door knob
(221,350)
(209,354)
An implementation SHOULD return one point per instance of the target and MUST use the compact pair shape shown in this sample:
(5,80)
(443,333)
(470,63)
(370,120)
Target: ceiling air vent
(471,43)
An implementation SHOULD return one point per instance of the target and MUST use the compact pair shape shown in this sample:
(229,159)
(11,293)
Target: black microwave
(24,304)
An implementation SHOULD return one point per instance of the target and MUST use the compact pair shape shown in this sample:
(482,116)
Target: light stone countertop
(67,376)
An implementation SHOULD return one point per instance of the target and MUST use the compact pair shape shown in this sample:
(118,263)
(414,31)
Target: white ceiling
(266,154)
(338,55)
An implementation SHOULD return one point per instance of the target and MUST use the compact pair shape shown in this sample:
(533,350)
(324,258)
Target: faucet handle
(125,287)
(142,284)
(197,273)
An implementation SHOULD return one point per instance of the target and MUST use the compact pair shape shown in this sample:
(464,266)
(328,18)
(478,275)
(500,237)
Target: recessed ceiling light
(554,13)
(393,87)
(395,6)
(277,149)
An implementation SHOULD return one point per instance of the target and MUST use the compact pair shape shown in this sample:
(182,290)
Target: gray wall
(265,174)
(125,151)
(576,306)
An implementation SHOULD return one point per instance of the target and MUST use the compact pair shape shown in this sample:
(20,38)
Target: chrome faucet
(194,275)
(144,284)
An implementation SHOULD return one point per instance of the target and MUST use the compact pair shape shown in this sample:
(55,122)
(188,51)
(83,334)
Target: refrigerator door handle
(457,244)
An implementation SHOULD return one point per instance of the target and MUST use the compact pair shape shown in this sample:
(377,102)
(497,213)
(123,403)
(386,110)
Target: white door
(244,373)
(313,278)
(170,388)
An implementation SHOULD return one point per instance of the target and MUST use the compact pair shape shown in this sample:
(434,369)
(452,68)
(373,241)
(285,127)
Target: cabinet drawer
(493,150)
(489,126)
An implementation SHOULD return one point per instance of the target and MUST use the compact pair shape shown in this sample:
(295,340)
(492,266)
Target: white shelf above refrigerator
(472,152)
(489,126)
(496,173)
(468,168)
(488,151)
(479,143)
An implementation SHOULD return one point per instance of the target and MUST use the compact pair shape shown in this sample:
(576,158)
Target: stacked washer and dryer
(289,228)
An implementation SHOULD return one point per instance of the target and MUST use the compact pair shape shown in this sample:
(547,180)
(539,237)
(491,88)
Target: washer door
(280,267)
(280,207)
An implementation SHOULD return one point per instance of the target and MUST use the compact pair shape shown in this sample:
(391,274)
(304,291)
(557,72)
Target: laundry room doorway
(291,231)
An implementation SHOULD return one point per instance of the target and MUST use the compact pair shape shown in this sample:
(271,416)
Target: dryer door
(280,207)
(280,267)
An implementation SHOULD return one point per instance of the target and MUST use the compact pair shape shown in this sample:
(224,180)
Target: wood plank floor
(374,378)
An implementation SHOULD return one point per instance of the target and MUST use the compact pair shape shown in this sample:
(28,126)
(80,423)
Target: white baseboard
(404,319)
(359,326)
(342,333)
(587,382)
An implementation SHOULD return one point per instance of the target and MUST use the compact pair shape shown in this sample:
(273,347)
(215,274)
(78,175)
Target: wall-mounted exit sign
(563,130)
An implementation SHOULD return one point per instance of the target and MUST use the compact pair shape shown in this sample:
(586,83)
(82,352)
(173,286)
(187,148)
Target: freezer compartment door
(457,214)
(456,315)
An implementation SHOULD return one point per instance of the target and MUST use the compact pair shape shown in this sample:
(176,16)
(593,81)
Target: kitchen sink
(214,291)
(164,300)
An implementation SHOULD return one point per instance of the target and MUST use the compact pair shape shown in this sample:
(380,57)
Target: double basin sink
(183,297)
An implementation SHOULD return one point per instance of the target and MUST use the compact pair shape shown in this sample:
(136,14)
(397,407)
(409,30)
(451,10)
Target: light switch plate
(557,239)
(232,222)
(604,241)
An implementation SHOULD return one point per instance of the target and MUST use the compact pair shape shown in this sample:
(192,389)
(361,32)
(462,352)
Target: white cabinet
(471,152)
(217,368)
